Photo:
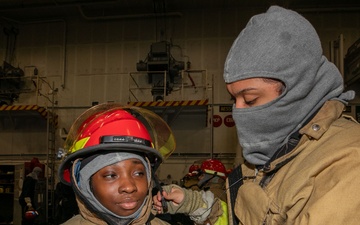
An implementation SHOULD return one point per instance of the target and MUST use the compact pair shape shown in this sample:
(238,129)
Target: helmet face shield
(113,127)
(163,138)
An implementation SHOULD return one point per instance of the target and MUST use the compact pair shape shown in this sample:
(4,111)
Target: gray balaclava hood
(95,165)
(283,45)
(35,173)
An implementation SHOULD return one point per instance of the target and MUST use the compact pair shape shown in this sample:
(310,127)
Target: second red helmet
(214,166)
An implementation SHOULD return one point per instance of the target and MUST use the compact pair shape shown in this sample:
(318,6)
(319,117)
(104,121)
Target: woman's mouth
(128,204)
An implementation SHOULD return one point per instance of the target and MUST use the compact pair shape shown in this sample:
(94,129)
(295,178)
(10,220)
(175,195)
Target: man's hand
(176,196)
(30,208)
(28,202)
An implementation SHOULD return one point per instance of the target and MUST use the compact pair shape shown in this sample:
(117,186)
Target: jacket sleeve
(201,206)
(28,188)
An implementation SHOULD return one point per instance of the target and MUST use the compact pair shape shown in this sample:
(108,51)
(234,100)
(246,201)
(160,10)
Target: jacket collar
(313,130)
(330,111)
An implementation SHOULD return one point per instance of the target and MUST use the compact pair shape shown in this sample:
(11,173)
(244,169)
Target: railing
(187,85)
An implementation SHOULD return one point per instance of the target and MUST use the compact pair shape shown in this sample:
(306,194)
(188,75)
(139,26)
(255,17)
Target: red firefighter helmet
(213,166)
(112,127)
(31,215)
(194,168)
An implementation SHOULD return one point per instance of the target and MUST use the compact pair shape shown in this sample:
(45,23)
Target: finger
(157,208)
(157,203)
(157,199)
(166,195)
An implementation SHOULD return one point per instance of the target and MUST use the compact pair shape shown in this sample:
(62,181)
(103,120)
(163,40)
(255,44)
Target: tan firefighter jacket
(88,218)
(318,182)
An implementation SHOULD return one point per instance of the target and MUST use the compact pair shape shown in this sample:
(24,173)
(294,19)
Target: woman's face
(121,187)
(254,91)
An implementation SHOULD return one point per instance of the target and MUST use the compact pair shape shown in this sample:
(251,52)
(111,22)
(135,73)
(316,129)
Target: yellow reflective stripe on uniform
(223,219)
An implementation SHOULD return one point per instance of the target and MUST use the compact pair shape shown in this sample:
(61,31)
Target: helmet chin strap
(160,189)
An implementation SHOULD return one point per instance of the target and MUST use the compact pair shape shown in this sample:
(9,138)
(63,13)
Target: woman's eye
(250,102)
(139,173)
(109,176)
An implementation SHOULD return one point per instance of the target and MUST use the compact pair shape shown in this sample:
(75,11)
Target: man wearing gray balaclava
(302,156)
(27,198)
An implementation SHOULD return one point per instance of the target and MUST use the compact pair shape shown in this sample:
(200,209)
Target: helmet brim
(153,155)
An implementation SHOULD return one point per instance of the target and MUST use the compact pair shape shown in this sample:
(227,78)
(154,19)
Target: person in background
(301,153)
(213,200)
(27,198)
(212,176)
(191,179)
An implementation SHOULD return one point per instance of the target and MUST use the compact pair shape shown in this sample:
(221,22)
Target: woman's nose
(127,185)
(240,105)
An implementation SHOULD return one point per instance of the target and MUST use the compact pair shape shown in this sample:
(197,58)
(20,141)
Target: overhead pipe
(128,16)
(56,4)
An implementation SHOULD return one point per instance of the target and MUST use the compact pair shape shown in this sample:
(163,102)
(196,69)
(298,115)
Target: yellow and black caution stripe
(170,103)
(28,108)
(41,110)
